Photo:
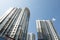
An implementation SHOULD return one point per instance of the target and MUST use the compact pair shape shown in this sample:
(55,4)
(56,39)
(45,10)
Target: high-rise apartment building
(30,36)
(46,30)
(14,24)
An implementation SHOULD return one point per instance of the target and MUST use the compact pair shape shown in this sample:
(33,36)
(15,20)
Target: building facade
(46,30)
(14,24)
(30,36)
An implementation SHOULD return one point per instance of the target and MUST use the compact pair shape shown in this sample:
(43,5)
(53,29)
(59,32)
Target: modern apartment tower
(14,24)
(46,30)
(30,36)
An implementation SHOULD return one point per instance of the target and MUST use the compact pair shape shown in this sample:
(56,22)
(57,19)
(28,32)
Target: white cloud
(53,19)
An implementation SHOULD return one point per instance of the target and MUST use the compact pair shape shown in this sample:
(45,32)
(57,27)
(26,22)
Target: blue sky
(39,9)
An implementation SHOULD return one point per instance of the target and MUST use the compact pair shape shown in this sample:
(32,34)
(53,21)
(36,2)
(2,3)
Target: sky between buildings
(39,9)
